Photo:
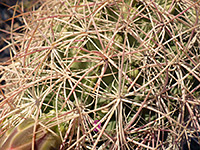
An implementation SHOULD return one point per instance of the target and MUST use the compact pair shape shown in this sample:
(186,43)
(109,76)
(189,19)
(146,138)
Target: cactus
(20,138)
(115,74)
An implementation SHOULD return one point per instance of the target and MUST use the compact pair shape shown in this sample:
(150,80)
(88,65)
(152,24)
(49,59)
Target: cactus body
(20,138)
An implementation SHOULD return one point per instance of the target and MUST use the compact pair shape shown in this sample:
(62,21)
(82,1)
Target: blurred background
(6,12)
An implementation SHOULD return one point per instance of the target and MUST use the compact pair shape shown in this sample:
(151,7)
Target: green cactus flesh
(20,138)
